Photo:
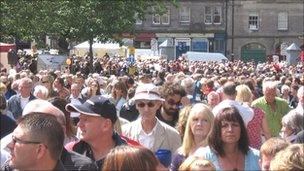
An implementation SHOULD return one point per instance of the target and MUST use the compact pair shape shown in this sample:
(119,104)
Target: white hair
(188,84)
(300,93)
(269,85)
(42,89)
(284,87)
(294,120)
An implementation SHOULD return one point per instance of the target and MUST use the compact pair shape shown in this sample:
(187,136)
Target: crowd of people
(153,115)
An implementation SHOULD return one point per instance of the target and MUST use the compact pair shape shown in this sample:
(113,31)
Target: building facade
(260,28)
(244,29)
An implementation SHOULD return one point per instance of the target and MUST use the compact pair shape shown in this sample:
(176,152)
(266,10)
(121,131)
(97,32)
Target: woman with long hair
(228,144)
(119,94)
(199,124)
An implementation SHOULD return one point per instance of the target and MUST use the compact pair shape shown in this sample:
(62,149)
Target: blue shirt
(251,158)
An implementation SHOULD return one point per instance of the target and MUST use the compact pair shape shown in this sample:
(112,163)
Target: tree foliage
(76,20)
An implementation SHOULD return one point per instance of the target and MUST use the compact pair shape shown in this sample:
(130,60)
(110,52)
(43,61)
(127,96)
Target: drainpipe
(226,26)
(232,30)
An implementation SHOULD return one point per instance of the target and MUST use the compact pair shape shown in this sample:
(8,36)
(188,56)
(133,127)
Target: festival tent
(100,49)
(205,56)
(4,49)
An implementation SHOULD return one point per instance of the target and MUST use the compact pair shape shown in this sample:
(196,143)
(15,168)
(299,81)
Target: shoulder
(253,153)
(258,101)
(81,161)
(13,98)
(167,127)
(205,151)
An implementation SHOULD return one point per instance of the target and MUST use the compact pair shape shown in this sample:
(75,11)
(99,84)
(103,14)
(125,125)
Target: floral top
(254,128)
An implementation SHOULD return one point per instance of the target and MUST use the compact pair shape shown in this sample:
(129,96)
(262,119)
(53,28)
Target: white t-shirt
(24,101)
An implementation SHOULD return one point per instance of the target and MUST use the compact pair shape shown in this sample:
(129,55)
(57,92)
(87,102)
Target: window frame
(183,10)
(253,14)
(219,15)
(283,21)
(208,15)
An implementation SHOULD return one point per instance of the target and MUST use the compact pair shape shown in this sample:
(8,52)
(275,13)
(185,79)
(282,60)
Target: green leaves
(76,20)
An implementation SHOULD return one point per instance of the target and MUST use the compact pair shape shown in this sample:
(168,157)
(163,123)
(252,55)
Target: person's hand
(185,101)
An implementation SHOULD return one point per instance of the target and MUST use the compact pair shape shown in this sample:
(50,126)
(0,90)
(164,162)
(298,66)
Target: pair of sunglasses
(142,104)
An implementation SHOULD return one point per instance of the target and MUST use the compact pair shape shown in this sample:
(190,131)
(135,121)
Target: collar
(153,130)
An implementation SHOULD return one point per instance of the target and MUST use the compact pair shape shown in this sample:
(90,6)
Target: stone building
(245,29)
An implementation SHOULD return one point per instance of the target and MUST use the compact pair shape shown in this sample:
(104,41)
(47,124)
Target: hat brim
(145,96)
(81,109)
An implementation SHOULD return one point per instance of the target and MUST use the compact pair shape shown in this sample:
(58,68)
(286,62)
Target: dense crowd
(117,114)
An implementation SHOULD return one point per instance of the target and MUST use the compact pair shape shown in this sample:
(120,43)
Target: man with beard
(175,98)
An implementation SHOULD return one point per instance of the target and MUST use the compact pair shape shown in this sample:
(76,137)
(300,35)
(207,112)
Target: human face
(147,108)
(265,162)
(172,104)
(75,90)
(199,125)
(23,150)
(213,100)
(25,90)
(90,127)
(286,130)
(230,132)
(270,95)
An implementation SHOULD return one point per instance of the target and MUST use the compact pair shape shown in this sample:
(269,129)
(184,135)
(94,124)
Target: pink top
(254,128)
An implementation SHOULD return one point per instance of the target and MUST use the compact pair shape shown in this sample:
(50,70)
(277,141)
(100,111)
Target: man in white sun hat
(147,129)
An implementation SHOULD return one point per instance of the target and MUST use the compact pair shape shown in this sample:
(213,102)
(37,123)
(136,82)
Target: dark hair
(169,89)
(121,86)
(60,103)
(229,88)
(130,158)
(215,141)
(45,129)
(2,102)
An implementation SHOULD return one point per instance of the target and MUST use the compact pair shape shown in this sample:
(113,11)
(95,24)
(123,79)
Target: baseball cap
(147,92)
(95,106)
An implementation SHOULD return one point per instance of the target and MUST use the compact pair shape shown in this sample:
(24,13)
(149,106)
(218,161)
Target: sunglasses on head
(143,104)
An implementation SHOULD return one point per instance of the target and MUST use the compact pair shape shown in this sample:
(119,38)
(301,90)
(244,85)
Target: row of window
(213,15)
(254,21)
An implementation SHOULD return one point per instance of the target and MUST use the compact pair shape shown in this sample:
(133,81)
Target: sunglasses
(142,104)
(45,82)
(173,103)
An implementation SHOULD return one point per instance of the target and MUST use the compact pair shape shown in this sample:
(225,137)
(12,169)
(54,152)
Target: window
(184,14)
(156,19)
(253,21)
(161,19)
(208,15)
(217,12)
(165,18)
(282,21)
(213,15)
(138,21)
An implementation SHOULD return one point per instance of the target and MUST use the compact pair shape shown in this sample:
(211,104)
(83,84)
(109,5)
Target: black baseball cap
(95,106)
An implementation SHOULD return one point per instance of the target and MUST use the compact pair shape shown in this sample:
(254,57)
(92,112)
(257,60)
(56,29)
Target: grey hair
(294,120)
(269,85)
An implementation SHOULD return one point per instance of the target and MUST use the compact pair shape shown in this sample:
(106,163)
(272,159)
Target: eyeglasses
(173,103)
(45,82)
(142,104)
(17,140)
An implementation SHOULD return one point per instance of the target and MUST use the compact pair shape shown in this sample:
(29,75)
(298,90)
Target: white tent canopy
(205,56)
(97,45)
(100,49)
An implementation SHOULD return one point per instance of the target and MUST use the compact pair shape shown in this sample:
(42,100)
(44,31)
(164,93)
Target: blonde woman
(289,159)
(199,123)
(182,120)
(196,163)
(258,126)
